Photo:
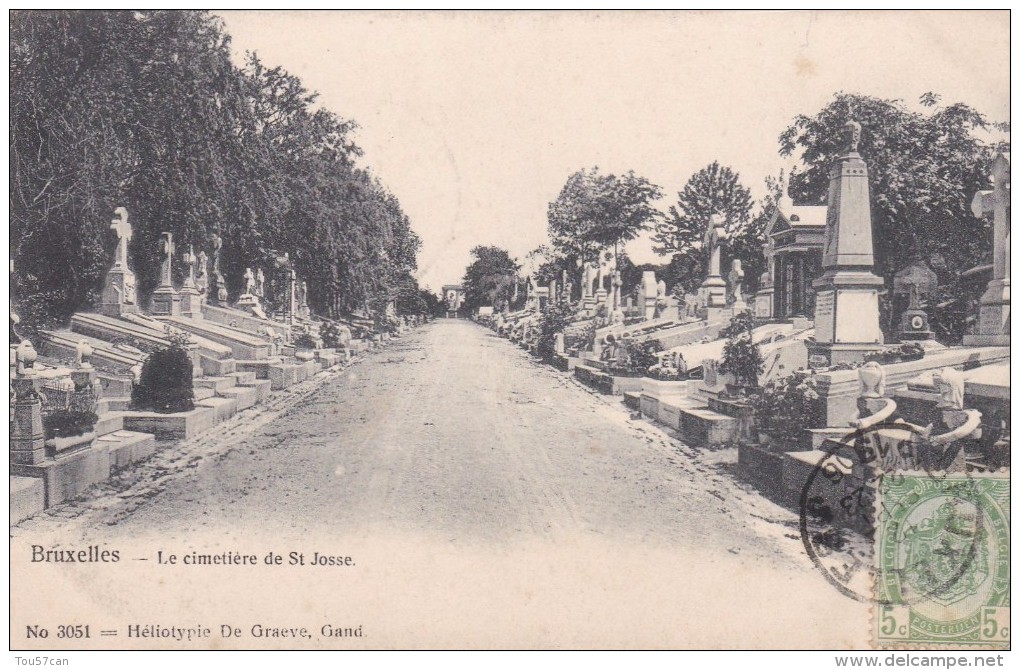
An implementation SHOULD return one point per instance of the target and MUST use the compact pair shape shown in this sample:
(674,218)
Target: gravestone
(713,289)
(165,299)
(846,303)
(119,293)
(993,314)
(763,299)
(649,293)
(916,281)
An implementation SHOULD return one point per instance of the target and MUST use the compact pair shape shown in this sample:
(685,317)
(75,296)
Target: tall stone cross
(994,311)
(121,226)
(166,250)
(715,235)
(996,204)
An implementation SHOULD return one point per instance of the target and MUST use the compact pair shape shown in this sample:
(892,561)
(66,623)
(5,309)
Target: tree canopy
(596,211)
(923,166)
(490,278)
(145,109)
(714,189)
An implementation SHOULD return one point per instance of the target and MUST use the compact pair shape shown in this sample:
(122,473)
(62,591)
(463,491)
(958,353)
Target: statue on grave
(202,275)
(715,235)
(166,252)
(25,357)
(737,282)
(188,258)
(588,274)
(249,282)
(219,282)
(83,354)
(260,283)
(121,226)
(854,129)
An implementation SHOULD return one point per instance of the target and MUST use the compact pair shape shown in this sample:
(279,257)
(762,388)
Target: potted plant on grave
(741,355)
(72,425)
(634,358)
(784,408)
(165,383)
(305,345)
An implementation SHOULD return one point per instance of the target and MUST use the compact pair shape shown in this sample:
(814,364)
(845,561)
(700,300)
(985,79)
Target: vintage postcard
(510,330)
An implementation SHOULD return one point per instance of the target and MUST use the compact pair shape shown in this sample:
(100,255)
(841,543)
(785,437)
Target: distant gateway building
(453,295)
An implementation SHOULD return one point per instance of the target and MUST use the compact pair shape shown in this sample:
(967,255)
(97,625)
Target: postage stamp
(942,561)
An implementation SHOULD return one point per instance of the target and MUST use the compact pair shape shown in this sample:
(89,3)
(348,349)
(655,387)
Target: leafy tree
(924,168)
(146,109)
(490,278)
(594,212)
(714,189)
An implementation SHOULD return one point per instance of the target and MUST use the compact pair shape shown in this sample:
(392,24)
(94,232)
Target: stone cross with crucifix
(165,300)
(121,226)
(166,252)
(994,311)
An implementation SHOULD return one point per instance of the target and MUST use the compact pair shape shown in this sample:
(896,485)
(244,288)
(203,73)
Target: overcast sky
(475,120)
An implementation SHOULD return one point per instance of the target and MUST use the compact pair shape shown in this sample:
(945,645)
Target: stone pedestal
(763,303)
(191,303)
(601,296)
(165,302)
(27,435)
(119,296)
(993,316)
(713,291)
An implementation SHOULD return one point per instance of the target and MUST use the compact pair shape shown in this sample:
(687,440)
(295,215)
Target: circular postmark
(842,514)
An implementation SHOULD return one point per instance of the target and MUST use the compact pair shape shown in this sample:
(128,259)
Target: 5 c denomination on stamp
(942,561)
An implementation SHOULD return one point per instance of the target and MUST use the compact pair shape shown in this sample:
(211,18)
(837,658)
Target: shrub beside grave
(166,381)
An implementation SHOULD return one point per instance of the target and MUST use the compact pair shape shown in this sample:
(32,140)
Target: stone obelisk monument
(846,302)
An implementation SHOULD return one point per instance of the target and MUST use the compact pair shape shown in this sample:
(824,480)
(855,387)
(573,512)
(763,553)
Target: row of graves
(91,399)
(797,378)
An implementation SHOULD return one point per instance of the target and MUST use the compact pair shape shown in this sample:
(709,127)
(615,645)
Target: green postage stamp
(942,553)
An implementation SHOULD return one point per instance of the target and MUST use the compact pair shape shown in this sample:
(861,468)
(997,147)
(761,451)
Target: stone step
(263,389)
(243,396)
(216,383)
(127,447)
(224,407)
(113,404)
(180,426)
(218,367)
(702,427)
(110,422)
(115,385)
(203,392)
(244,378)
(28,497)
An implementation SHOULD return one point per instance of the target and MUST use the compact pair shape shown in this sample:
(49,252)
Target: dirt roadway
(455,440)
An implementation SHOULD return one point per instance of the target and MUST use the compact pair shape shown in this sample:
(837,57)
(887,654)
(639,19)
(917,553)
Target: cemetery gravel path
(455,436)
